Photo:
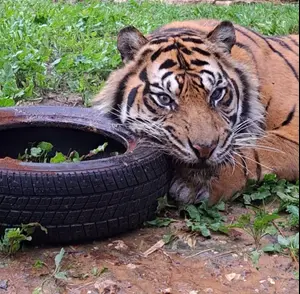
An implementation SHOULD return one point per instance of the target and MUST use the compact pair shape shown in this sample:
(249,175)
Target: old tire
(79,201)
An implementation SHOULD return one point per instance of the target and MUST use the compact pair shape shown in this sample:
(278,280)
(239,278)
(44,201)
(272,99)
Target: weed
(42,152)
(203,218)
(285,243)
(13,238)
(200,219)
(57,274)
(270,187)
(257,225)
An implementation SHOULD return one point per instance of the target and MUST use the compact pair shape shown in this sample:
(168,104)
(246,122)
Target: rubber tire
(80,201)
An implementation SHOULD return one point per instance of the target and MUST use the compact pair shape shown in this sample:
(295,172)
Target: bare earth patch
(217,265)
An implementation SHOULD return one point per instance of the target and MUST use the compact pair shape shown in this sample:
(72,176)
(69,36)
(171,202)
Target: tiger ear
(223,35)
(130,40)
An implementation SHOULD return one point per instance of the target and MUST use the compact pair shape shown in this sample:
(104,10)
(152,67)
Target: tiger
(221,99)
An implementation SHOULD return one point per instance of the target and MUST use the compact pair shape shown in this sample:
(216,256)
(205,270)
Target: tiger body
(220,98)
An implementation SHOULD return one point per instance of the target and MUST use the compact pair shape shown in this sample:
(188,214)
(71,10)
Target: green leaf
(295,241)
(263,221)
(168,238)
(36,151)
(272,248)
(61,276)
(100,148)
(283,241)
(95,271)
(193,212)
(204,230)
(45,146)
(58,158)
(161,222)
(7,102)
(37,290)
(293,210)
(59,257)
(104,270)
(255,256)
(220,206)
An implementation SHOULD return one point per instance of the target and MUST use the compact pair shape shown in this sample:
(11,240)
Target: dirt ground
(217,265)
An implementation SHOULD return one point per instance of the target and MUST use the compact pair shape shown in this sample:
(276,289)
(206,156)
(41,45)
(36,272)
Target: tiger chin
(221,99)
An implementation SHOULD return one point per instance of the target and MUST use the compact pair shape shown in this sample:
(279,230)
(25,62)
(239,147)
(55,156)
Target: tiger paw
(185,193)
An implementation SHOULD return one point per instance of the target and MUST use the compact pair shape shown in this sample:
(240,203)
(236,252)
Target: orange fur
(270,63)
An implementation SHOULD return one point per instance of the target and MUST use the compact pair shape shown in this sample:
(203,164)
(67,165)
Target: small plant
(285,243)
(293,210)
(13,238)
(286,192)
(57,274)
(42,152)
(257,225)
(203,218)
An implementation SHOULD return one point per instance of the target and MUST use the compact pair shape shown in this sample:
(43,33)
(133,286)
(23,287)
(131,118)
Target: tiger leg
(275,153)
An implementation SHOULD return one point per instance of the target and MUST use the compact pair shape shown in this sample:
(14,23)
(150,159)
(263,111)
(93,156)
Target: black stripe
(271,47)
(222,70)
(243,163)
(236,88)
(143,75)
(248,36)
(201,51)
(249,51)
(158,52)
(229,101)
(186,51)
(283,44)
(143,57)
(199,62)
(155,55)
(131,97)
(268,104)
(121,89)
(226,139)
(166,75)
(182,62)
(171,131)
(258,166)
(246,88)
(193,40)
(181,31)
(287,139)
(233,118)
(149,107)
(159,41)
(288,118)
(168,64)
(209,73)
(285,60)
(293,41)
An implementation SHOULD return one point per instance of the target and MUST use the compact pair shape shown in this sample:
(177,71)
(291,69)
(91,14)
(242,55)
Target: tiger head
(182,89)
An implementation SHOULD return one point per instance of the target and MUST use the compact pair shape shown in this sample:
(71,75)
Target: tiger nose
(204,151)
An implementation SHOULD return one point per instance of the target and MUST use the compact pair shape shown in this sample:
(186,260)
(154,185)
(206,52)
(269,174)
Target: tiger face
(182,89)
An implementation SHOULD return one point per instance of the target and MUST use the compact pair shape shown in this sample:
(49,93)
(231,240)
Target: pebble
(271,281)
(131,266)
(208,290)
(3,284)
(232,276)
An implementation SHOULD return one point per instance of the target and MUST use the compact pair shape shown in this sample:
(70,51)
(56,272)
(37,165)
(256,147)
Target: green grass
(46,46)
